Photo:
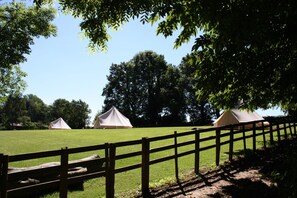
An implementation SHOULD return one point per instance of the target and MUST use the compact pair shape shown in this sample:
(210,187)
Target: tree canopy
(142,91)
(11,82)
(247,49)
(199,111)
(30,112)
(19,25)
(13,111)
(150,91)
(75,113)
(37,110)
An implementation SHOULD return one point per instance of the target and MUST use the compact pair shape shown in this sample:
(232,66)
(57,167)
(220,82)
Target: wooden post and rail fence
(105,166)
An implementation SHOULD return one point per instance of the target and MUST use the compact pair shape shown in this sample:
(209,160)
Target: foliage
(199,111)
(284,171)
(60,108)
(247,49)
(172,100)
(13,112)
(11,82)
(37,110)
(143,89)
(250,51)
(30,112)
(75,113)
(24,112)
(150,91)
(79,114)
(19,25)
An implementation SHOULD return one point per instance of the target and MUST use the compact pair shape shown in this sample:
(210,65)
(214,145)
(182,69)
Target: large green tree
(199,111)
(19,25)
(26,112)
(30,112)
(140,89)
(172,98)
(37,110)
(13,113)
(75,113)
(149,70)
(250,54)
(79,114)
(60,108)
(122,91)
(247,48)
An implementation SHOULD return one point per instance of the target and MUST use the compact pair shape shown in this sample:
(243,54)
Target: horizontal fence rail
(61,175)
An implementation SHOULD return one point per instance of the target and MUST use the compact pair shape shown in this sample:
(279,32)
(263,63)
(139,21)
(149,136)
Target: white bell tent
(236,116)
(112,119)
(58,124)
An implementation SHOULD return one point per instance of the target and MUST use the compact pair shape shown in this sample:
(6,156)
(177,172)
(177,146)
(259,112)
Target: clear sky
(63,67)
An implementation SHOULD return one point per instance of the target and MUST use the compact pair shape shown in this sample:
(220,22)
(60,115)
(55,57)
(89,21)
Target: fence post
(107,183)
(1,167)
(294,125)
(218,146)
(111,172)
(263,131)
(244,140)
(197,152)
(3,175)
(254,137)
(271,133)
(175,156)
(285,129)
(64,173)
(290,127)
(145,171)
(278,133)
(231,143)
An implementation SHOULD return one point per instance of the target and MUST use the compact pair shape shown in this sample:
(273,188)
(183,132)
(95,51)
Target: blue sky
(63,67)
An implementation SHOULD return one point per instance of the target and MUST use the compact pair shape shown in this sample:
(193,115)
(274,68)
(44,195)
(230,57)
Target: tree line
(151,92)
(30,112)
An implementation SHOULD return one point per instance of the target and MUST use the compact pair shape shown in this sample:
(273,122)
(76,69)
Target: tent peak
(58,124)
(112,118)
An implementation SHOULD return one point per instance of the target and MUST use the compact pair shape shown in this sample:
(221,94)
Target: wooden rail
(107,167)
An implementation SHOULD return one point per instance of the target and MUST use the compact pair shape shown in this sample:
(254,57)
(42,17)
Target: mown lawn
(17,142)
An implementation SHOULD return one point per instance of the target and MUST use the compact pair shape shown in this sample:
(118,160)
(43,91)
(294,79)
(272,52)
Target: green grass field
(18,142)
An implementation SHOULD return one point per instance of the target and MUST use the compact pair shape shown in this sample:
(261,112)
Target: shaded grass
(281,168)
(16,142)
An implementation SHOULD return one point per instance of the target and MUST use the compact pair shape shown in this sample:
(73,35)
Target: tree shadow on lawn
(269,172)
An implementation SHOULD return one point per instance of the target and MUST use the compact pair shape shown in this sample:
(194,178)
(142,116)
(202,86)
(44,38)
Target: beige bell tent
(236,116)
(58,124)
(112,119)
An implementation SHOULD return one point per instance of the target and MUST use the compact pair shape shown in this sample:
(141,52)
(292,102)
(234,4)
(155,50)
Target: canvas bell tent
(58,124)
(236,116)
(112,119)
